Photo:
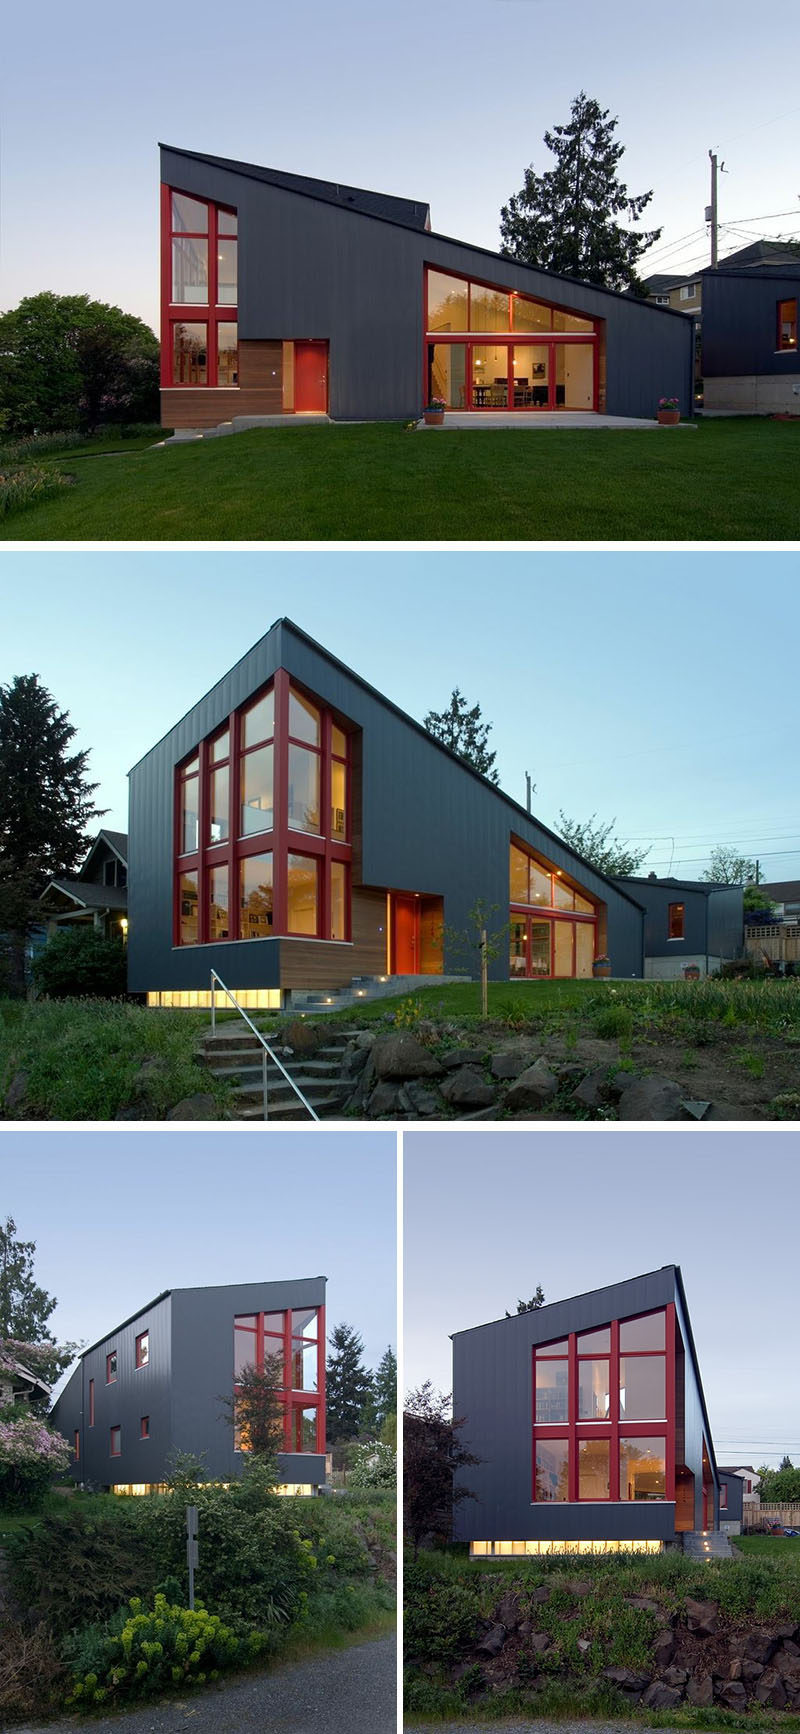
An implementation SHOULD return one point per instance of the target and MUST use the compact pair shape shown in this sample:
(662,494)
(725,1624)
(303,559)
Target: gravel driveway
(535,1726)
(353,1691)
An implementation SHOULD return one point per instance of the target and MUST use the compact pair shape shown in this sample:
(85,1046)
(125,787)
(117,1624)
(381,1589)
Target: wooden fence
(756,1516)
(775,942)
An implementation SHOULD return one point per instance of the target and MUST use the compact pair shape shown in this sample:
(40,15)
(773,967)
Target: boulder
(701,1617)
(578,1586)
(534,1088)
(424,1103)
(659,1696)
(541,1593)
(735,1670)
(200,1106)
(510,1062)
(463,1057)
(700,1690)
(493,1642)
(17,1091)
(355,1059)
(385,1101)
(653,1098)
(302,1037)
(591,1092)
(401,1056)
(467,1088)
(540,1641)
(751,1671)
(509,1611)
(676,1677)
(627,1680)
(732,1694)
(770,1690)
(664,1649)
(760,1647)
(584,1646)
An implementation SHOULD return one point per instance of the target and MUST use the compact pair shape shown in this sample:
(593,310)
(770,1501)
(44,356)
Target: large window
(263,824)
(292,1343)
(558,937)
(537,356)
(199,292)
(603,1415)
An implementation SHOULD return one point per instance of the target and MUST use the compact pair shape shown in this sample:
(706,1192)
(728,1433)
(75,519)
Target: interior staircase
(707,1544)
(237,1056)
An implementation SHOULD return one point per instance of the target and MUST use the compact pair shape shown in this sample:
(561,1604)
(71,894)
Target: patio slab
(544,418)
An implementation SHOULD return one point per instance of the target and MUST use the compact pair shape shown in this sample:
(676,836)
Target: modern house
(744,1498)
(159,1382)
(282,295)
(751,364)
(688,925)
(296,830)
(589,1422)
(97,897)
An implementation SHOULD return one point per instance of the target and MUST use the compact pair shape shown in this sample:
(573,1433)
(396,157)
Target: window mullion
(613,1404)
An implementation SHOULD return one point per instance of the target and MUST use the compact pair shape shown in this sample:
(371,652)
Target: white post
(264,1058)
(213,1003)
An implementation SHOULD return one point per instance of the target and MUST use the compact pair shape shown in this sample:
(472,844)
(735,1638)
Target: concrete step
(707,1544)
(326,1107)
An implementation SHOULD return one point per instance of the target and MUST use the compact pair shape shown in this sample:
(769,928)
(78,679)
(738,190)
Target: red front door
(311,378)
(406,935)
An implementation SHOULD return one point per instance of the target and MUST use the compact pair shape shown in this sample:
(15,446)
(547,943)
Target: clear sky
(118,1216)
(654,688)
(446,102)
(488,1215)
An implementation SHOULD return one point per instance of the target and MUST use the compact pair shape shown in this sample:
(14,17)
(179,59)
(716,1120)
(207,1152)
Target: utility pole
(711,210)
(528,790)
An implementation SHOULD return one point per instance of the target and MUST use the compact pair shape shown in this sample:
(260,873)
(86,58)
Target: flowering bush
(435,406)
(373,1466)
(163,1647)
(668,402)
(30,1455)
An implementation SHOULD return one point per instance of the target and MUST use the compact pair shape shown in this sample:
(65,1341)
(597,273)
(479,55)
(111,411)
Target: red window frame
(144,1427)
(115,1442)
(551,913)
(576,1431)
(143,1349)
(787,345)
(280,840)
(111,1367)
(292,1401)
(676,921)
(91,1402)
(212,313)
(508,339)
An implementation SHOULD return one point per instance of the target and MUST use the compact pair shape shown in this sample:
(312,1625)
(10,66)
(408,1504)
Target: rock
(534,1088)
(700,1690)
(463,1057)
(661,1697)
(663,1649)
(701,1617)
(508,1611)
(402,1056)
(302,1037)
(385,1102)
(578,1586)
(751,1671)
(646,1605)
(467,1088)
(694,1110)
(627,1681)
(676,1677)
(653,1098)
(583,1645)
(365,1038)
(591,1091)
(735,1669)
(539,1643)
(493,1642)
(786,1659)
(732,1694)
(541,1593)
(17,1091)
(770,1690)
(510,1062)
(355,1059)
(760,1647)
(200,1106)
(424,1103)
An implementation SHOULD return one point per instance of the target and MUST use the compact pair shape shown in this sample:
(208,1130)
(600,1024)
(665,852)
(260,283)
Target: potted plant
(668,412)
(434,412)
(691,972)
(601,965)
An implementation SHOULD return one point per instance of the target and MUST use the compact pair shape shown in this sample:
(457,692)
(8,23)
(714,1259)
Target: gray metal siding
(740,323)
(695,1428)
(429,825)
(309,269)
(134,1393)
(734,1511)
(493,1392)
(726,922)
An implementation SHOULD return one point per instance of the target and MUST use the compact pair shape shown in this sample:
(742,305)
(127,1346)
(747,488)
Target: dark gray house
(157,1384)
(284,295)
(688,924)
(751,364)
(97,895)
(295,830)
(590,1424)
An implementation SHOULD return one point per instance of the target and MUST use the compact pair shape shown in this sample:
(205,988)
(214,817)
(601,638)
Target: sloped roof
(704,885)
(414,213)
(89,895)
(116,841)
(762,253)
(9,1364)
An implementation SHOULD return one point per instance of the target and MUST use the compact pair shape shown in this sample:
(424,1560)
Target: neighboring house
(158,1383)
(677,290)
(284,295)
(750,1481)
(589,1424)
(688,924)
(18,1384)
(750,354)
(97,897)
(785,894)
(295,830)
(731,1502)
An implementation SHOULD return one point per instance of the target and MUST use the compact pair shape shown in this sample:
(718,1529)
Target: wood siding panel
(319,963)
(259,392)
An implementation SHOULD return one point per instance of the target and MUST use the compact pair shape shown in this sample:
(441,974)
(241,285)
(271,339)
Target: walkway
(536,1726)
(353,1691)
(544,418)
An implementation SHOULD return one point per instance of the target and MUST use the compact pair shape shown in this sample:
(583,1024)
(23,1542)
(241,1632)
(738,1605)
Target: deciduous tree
(530,1306)
(596,844)
(432,1453)
(728,867)
(69,362)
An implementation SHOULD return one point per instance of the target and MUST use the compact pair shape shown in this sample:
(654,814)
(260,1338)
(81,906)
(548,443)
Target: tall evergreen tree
(566,219)
(382,1397)
(45,808)
(462,730)
(348,1384)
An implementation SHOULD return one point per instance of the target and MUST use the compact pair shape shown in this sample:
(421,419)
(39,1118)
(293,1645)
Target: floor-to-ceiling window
(490,348)
(604,1413)
(199,291)
(553,924)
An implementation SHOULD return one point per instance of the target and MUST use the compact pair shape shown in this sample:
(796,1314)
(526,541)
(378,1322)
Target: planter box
(434,417)
(669,417)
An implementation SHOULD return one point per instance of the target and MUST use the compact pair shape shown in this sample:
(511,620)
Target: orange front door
(311,378)
(406,935)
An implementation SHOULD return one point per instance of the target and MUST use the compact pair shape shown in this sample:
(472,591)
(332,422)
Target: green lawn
(723,480)
(786,1547)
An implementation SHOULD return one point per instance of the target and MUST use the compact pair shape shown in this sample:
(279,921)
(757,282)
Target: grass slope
(725,480)
(84,1059)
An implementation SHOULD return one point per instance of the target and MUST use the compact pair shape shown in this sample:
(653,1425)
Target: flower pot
(434,417)
(691,972)
(669,417)
(601,969)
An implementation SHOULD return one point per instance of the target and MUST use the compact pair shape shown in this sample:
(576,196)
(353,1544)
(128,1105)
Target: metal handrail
(268,1053)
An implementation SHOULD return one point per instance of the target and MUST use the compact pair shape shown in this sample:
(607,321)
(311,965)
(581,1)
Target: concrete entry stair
(236,1055)
(363,988)
(707,1544)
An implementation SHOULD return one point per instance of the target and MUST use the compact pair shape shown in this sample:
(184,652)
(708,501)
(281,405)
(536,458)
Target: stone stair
(707,1544)
(236,1055)
(363,988)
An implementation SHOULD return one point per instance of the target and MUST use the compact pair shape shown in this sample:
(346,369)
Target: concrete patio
(543,418)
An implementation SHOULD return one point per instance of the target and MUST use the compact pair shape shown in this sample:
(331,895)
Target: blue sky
(117,1216)
(489,1215)
(445,102)
(654,688)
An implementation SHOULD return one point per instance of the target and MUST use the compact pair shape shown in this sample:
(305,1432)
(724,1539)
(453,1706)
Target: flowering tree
(30,1454)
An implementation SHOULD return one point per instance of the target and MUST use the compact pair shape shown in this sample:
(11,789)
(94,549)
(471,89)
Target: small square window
(116,1442)
(144,1427)
(143,1349)
(111,1367)
(676,921)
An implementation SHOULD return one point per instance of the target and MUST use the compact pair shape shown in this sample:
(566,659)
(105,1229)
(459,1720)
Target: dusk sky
(490,1214)
(652,688)
(445,103)
(119,1215)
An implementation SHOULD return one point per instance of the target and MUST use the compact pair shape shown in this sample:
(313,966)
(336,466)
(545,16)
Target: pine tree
(463,731)
(348,1384)
(566,219)
(385,1387)
(530,1306)
(45,808)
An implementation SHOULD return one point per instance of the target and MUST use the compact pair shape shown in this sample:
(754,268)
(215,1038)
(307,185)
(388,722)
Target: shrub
(373,1466)
(78,963)
(32,1676)
(614,1022)
(30,1455)
(151,1651)
(20,488)
(78,1567)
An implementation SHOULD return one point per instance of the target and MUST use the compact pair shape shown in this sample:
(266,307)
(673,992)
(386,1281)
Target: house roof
(165,1295)
(404,214)
(661,281)
(762,253)
(117,842)
(438,746)
(87,895)
(9,1364)
(782,890)
(707,886)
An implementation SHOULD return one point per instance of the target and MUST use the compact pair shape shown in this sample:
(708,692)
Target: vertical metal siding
(740,312)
